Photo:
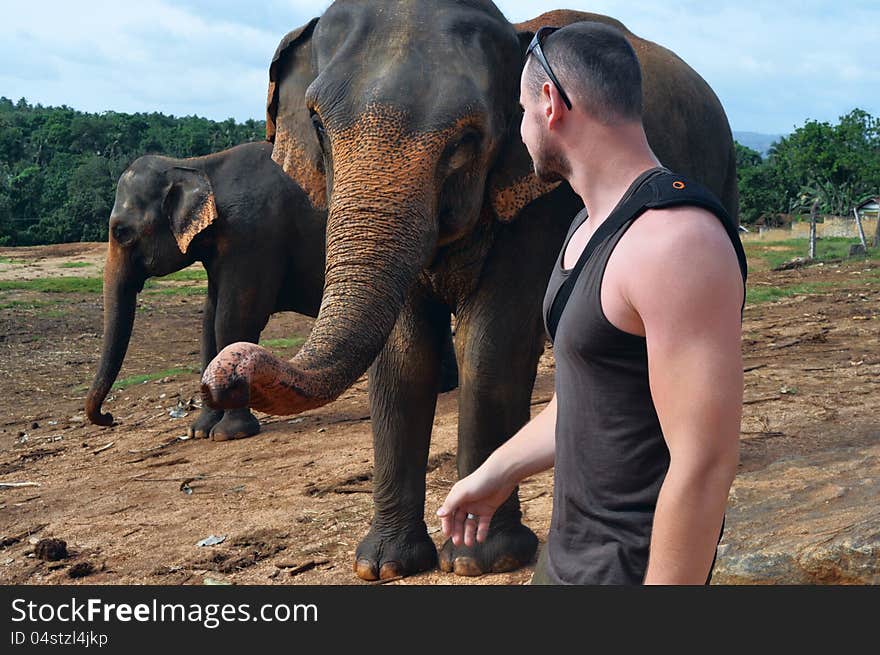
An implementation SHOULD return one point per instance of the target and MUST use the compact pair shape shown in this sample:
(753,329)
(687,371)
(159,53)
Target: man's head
(600,74)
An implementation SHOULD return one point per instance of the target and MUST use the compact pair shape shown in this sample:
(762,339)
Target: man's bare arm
(688,294)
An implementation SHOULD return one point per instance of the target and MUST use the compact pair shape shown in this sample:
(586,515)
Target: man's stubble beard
(551,166)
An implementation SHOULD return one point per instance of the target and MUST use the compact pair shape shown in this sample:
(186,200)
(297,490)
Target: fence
(832,226)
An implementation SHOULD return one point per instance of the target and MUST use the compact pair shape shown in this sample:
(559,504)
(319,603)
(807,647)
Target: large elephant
(403,120)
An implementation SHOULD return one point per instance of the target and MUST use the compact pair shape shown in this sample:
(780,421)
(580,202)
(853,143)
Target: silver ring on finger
(471,517)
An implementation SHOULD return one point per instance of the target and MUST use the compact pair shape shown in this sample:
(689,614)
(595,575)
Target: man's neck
(605,163)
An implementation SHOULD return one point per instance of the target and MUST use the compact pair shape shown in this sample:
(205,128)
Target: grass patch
(55,285)
(29,304)
(74,265)
(188,275)
(281,344)
(54,313)
(757,295)
(16,260)
(774,253)
(175,291)
(148,377)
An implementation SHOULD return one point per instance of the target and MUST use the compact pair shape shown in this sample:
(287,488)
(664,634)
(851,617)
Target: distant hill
(757,141)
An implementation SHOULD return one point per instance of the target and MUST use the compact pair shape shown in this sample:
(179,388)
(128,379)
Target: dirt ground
(292,503)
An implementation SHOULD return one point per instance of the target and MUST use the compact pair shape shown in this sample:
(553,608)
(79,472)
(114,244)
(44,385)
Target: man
(643,429)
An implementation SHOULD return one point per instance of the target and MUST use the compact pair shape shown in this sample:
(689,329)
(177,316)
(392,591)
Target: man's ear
(189,204)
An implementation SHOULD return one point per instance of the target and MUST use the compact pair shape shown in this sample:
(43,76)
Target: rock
(805,520)
(51,550)
(81,570)
(857,250)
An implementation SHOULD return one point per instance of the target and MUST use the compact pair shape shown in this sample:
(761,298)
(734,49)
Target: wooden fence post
(813,211)
(877,232)
(861,231)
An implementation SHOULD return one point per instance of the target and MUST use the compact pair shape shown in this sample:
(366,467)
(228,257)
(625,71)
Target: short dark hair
(597,66)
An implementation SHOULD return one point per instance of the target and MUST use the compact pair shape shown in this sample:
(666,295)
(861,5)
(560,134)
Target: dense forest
(838,165)
(59,166)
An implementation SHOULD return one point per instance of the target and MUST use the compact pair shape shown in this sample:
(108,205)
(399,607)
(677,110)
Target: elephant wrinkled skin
(402,119)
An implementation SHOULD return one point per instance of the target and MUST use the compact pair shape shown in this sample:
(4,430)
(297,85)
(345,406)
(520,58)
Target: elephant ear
(513,183)
(288,123)
(189,204)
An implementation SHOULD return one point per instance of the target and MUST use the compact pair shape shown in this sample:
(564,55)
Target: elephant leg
(242,313)
(499,339)
(207,418)
(403,397)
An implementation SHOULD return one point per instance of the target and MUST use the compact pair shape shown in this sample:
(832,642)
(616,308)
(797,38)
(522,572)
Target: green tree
(59,166)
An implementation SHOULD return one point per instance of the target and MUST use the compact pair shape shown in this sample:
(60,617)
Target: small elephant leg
(207,418)
(241,315)
(403,397)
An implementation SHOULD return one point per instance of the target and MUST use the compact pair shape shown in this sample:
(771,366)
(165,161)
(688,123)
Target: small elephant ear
(513,183)
(189,204)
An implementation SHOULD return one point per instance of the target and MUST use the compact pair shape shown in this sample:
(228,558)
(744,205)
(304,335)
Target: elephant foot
(236,424)
(207,419)
(380,557)
(505,549)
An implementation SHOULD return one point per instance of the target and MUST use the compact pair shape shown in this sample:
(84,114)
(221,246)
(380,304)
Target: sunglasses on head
(535,48)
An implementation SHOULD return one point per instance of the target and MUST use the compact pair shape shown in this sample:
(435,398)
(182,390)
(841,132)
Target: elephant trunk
(121,285)
(379,238)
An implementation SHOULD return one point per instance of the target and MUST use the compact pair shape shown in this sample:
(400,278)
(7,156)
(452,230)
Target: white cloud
(772,64)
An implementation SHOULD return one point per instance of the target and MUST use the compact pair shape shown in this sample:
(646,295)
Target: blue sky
(773,64)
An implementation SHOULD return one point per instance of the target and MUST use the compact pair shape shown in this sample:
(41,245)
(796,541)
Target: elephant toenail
(366,570)
(466,566)
(390,570)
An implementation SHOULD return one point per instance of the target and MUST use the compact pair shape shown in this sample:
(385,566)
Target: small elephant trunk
(121,286)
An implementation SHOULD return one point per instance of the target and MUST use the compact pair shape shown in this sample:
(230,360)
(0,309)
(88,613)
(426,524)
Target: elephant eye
(319,128)
(462,151)
(122,234)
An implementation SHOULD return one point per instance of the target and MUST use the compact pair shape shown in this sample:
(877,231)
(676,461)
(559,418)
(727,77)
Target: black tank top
(611,457)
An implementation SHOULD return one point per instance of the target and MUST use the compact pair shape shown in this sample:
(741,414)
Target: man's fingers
(447,512)
(470,529)
(483,528)
(446,524)
(458,526)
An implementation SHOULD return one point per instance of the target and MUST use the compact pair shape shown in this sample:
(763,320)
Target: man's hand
(529,451)
(477,495)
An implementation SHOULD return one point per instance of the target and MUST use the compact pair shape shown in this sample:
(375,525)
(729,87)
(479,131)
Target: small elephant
(258,236)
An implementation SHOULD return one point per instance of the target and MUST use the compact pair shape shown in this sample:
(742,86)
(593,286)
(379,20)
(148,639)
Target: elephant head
(392,116)
(160,208)
(402,120)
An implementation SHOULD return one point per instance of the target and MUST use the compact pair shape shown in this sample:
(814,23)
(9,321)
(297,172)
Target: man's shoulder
(665,231)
